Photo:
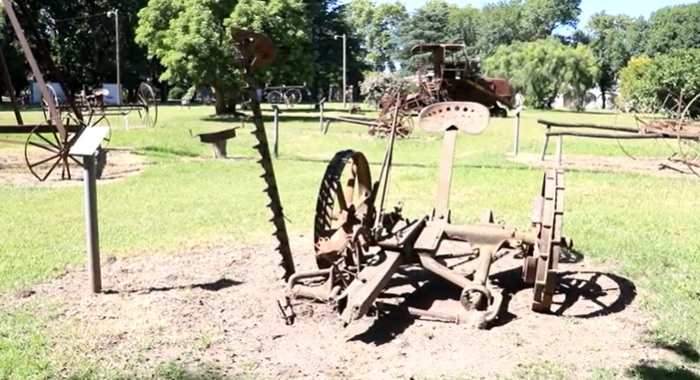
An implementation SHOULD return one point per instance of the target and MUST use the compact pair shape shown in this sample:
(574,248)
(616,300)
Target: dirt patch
(657,166)
(218,304)
(121,163)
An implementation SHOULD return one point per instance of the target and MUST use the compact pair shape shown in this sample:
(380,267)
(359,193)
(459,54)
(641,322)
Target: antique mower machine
(359,247)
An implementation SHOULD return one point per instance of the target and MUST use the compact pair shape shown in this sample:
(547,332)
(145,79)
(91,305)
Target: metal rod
(388,155)
(320,114)
(635,136)
(115,12)
(432,265)
(10,88)
(46,56)
(590,126)
(91,228)
(276,130)
(516,133)
(53,111)
(449,144)
(560,147)
(545,143)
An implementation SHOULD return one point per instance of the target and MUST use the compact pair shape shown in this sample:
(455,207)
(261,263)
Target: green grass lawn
(644,226)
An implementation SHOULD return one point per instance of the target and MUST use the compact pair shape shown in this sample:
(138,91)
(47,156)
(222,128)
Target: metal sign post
(516,131)
(87,146)
(276,131)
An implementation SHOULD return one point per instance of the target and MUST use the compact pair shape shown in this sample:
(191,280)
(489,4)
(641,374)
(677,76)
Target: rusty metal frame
(352,279)
(29,55)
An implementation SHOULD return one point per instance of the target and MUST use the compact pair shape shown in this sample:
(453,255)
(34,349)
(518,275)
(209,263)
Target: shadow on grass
(161,151)
(418,165)
(611,296)
(268,118)
(586,112)
(658,371)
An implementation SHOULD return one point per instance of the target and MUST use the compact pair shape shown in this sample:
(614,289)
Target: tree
(608,41)
(430,24)
(463,27)
(376,26)
(541,17)
(675,27)
(666,83)
(191,39)
(544,68)
(378,84)
(507,21)
(323,58)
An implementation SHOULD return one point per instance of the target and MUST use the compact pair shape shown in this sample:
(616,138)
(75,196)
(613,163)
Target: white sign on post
(57,90)
(113,97)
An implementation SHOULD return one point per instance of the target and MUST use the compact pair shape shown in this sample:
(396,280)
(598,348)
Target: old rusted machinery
(452,77)
(145,104)
(47,144)
(455,77)
(360,245)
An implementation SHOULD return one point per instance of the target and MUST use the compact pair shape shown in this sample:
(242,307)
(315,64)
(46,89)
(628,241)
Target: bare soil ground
(218,304)
(121,163)
(657,166)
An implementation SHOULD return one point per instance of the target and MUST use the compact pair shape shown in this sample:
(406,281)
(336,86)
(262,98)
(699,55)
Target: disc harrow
(359,245)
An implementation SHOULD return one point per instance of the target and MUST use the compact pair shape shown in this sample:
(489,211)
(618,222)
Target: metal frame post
(115,12)
(345,76)
(88,146)
(91,227)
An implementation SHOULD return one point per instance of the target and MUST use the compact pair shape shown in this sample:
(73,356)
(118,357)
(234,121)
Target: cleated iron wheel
(344,210)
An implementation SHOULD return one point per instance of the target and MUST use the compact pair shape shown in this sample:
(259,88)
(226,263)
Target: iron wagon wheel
(404,124)
(45,149)
(344,209)
(293,96)
(274,97)
(148,105)
(550,239)
(98,118)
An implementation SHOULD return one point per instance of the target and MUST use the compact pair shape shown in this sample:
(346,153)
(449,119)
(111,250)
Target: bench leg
(219,148)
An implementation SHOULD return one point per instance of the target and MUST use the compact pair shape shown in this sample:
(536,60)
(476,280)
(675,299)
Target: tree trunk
(602,93)
(220,104)
(231,102)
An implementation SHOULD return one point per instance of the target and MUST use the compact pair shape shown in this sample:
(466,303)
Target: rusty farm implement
(47,144)
(360,245)
(145,104)
(452,77)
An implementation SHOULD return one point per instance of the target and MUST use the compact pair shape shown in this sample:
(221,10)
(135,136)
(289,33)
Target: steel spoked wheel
(274,97)
(98,119)
(148,105)
(45,150)
(344,210)
(404,124)
(293,96)
(550,239)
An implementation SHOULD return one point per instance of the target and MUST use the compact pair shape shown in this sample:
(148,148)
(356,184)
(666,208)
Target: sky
(632,8)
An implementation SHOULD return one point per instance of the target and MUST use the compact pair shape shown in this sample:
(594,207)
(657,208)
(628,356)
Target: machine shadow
(417,165)
(214,286)
(573,287)
(268,118)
